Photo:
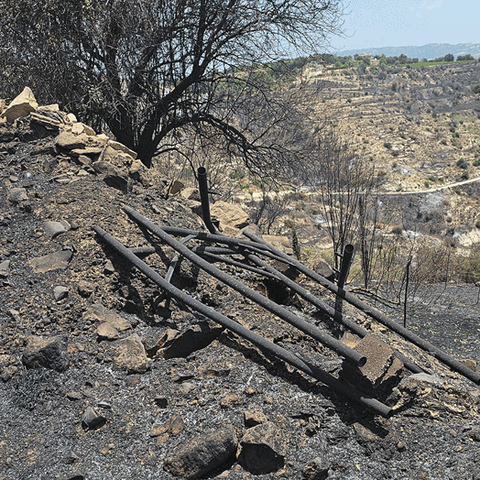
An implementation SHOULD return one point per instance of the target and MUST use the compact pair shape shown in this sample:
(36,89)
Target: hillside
(430,51)
(103,377)
(419,128)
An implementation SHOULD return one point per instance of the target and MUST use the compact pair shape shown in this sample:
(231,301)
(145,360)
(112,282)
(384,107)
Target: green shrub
(462,163)
(476,87)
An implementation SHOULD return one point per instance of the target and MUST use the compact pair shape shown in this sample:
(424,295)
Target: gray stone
(54,261)
(202,454)
(56,228)
(17,195)
(92,420)
(425,377)
(316,469)
(5,268)
(45,352)
(195,338)
(262,449)
(60,292)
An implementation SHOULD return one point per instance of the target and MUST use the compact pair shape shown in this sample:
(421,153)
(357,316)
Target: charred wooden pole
(264,249)
(323,307)
(203,189)
(448,360)
(262,343)
(346,262)
(306,327)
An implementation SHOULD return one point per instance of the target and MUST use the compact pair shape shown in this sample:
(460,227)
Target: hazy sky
(398,23)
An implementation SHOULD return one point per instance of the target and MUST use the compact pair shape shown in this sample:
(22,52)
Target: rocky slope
(102,378)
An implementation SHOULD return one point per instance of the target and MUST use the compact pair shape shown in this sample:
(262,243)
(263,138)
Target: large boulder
(21,106)
(231,217)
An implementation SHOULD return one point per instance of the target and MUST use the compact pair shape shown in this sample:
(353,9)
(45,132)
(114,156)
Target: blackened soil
(434,433)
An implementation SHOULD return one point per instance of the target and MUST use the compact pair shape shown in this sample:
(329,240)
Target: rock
(316,469)
(7,133)
(161,402)
(154,342)
(46,352)
(74,396)
(130,355)
(190,193)
(202,454)
(186,387)
(281,242)
(320,266)
(8,367)
(231,399)
(230,216)
(262,449)
(54,229)
(68,141)
(109,268)
(173,426)
(91,420)
(254,416)
(120,147)
(176,187)
(98,313)
(46,121)
(60,292)
(382,370)
(85,289)
(74,476)
(113,169)
(78,128)
(5,269)
(92,153)
(17,195)
(106,331)
(21,106)
(425,377)
(54,261)
(195,338)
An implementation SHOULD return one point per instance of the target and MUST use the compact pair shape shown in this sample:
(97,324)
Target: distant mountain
(430,51)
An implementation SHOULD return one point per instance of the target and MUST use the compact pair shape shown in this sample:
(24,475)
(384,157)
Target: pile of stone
(95,154)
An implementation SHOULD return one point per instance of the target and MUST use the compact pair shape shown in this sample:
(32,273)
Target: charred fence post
(346,262)
(203,189)
(263,344)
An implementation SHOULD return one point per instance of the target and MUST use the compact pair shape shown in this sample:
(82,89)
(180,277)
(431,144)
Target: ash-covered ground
(88,391)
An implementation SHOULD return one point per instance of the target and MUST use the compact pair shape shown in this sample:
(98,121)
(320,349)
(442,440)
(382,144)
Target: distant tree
(157,72)
(344,179)
(448,58)
(464,58)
